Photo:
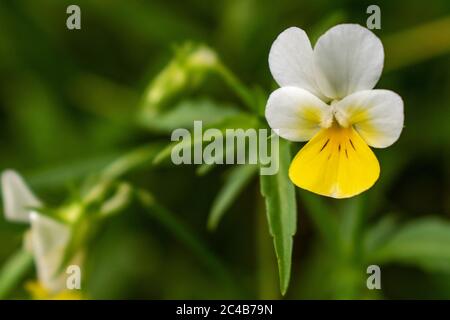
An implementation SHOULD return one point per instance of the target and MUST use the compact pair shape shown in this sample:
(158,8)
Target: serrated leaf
(279,193)
(424,243)
(235,182)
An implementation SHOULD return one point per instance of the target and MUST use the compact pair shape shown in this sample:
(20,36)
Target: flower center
(336,117)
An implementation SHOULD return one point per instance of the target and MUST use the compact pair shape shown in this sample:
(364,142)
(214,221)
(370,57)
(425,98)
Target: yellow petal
(38,292)
(336,163)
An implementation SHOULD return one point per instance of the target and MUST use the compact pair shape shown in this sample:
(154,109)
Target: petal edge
(347,58)
(377,115)
(336,163)
(291,60)
(295,114)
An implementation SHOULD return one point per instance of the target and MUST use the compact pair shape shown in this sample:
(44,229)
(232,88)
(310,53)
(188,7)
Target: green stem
(237,86)
(13,271)
(135,158)
(119,167)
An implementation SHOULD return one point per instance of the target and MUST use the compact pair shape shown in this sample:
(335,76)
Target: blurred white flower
(47,237)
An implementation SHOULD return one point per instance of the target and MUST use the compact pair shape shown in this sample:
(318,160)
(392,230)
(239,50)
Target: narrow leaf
(424,243)
(380,233)
(417,44)
(13,271)
(241,120)
(131,160)
(235,182)
(281,209)
(183,115)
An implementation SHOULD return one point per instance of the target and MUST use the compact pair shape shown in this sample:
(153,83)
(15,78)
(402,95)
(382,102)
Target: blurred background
(68,106)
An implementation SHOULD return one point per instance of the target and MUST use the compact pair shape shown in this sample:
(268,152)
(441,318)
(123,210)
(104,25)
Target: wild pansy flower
(327,97)
(47,238)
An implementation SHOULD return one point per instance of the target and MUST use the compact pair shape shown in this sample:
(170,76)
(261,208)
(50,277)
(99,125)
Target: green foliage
(86,115)
(13,271)
(424,243)
(186,112)
(281,208)
(239,121)
(185,72)
(236,181)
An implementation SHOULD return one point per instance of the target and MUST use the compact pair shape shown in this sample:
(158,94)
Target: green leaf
(241,120)
(186,112)
(417,44)
(68,172)
(381,232)
(13,271)
(424,243)
(205,168)
(132,160)
(281,210)
(236,181)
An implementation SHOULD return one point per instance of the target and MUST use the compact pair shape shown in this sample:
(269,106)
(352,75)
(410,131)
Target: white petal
(377,115)
(347,58)
(49,239)
(291,60)
(17,197)
(296,114)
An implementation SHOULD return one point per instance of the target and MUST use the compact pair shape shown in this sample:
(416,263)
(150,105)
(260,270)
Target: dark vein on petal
(351,142)
(323,147)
